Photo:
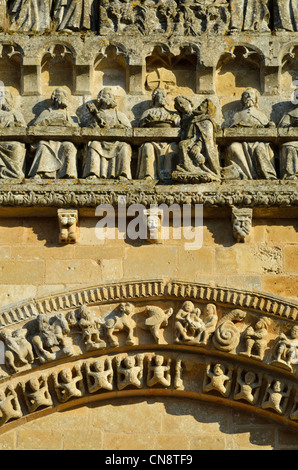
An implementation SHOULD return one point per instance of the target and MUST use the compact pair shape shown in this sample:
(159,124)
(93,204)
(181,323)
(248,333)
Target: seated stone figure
(107,159)
(12,154)
(198,155)
(250,160)
(289,150)
(156,160)
(55,159)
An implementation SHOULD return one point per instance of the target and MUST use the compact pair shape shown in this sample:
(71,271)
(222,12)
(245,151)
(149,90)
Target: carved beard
(107,103)
(60,102)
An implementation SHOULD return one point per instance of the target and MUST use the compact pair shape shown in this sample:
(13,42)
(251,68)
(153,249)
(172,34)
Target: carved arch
(101,332)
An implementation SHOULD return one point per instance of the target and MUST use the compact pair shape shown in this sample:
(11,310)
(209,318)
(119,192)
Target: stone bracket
(241,223)
(67,219)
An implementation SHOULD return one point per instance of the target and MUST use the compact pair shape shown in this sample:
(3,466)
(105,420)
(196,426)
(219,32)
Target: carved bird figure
(157,318)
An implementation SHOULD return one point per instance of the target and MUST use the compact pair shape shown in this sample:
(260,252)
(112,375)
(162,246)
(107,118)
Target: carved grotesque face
(129,362)
(250,377)
(34,384)
(98,365)
(106,99)
(218,370)
(241,227)
(294,332)
(66,375)
(158,360)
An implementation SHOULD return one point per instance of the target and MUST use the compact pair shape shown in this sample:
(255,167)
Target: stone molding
(132,339)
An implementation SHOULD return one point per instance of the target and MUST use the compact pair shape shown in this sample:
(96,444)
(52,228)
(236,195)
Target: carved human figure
(198,153)
(249,15)
(36,393)
(217,378)
(276,395)
(166,10)
(9,405)
(67,219)
(99,374)
(159,371)
(210,319)
(91,329)
(54,159)
(122,322)
(71,15)
(107,159)
(68,383)
(287,349)
(248,386)
(12,154)
(147,17)
(156,160)
(286,15)
(187,23)
(51,335)
(188,323)
(294,411)
(256,339)
(241,223)
(130,371)
(288,155)
(250,160)
(19,350)
(30,15)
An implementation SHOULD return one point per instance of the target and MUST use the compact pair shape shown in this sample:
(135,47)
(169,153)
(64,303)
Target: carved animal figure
(157,318)
(227,335)
(120,323)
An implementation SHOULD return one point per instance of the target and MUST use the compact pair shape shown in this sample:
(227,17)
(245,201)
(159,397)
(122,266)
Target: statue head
(242,223)
(59,97)
(250,98)
(106,98)
(183,105)
(159,97)
(6,100)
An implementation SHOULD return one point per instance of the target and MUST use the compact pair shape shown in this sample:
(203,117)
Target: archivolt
(136,342)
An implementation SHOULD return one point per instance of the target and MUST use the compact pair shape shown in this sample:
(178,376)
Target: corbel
(67,219)
(241,223)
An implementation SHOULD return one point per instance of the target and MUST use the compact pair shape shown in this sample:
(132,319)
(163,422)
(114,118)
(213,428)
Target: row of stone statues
(51,338)
(185,17)
(194,159)
(129,372)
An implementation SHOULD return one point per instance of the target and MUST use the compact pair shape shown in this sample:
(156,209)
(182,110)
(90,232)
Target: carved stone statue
(122,322)
(287,349)
(157,318)
(99,374)
(55,159)
(156,160)
(218,378)
(289,150)
(247,386)
(91,329)
(30,15)
(256,339)
(68,383)
(250,15)
(36,393)
(286,15)
(107,159)
(227,334)
(241,222)
(19,351)
(188,323)
(12,154)
(50,339)
(198,155)
(276,396)
(67,219)
(71,15)
(9,405)
(159,371)
(210,319)
(130,371)
(250,160)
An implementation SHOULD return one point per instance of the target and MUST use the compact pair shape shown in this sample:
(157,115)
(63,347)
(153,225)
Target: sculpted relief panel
(196,346)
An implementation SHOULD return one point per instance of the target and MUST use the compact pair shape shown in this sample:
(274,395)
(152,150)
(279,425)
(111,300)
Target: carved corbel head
(242,222)
(153,221)
(68,219)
